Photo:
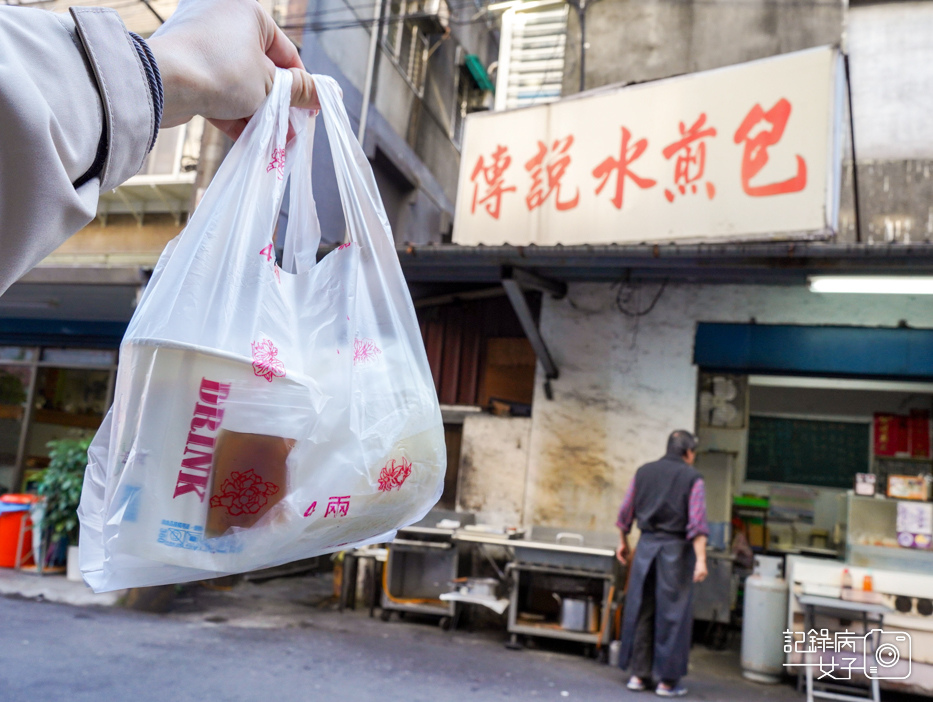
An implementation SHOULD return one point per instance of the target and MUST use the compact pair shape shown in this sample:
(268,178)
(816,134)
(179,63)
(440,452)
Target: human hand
(218,59)
(699,571)
(622,553)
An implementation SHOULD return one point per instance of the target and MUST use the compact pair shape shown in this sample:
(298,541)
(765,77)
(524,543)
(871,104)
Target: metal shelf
(551,630)
(554,631)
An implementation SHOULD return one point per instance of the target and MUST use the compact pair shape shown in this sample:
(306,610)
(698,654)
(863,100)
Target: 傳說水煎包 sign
(747,151)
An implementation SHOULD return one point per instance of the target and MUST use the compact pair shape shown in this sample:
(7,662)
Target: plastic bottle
(867,583)
(846,579)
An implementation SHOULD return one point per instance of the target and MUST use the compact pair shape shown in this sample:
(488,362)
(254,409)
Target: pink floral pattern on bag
(244,493)
(364,351)
(277,163)
(394,474)
(265,362)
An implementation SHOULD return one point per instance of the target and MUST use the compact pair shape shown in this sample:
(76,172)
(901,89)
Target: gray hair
(681,441)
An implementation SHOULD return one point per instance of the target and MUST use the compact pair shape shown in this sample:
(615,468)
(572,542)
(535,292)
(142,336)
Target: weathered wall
(626,382)
(890,54)
(639,40)
(493,460)
(121,242)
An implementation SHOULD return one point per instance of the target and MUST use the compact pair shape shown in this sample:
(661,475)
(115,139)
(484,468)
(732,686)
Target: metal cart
(551,561)
(422,561)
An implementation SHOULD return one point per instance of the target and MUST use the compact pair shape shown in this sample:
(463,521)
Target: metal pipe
(526,319)
(371,62)
(581,13)
(855,197)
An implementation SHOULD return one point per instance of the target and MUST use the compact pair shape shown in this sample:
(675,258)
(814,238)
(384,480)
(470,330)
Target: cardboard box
(908,487)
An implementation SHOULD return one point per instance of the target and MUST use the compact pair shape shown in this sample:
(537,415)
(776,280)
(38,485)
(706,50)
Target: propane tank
(764,620)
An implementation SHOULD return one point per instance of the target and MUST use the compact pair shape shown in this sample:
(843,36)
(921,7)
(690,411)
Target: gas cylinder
(764,620)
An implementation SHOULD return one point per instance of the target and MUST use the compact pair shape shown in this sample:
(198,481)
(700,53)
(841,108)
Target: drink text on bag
(195,470)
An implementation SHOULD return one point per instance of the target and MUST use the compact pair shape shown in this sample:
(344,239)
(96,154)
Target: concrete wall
(493,462)
(892,83)
(639,40)
(626,382)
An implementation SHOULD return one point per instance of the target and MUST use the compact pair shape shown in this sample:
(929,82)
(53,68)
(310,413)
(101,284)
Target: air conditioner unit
(431,16)
(480,100)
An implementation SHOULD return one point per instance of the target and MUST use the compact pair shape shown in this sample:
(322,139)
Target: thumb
(303,92)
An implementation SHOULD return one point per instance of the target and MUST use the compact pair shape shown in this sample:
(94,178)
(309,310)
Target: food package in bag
(263,415)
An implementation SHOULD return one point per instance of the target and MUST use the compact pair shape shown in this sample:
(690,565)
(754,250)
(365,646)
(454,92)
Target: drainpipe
(581,7)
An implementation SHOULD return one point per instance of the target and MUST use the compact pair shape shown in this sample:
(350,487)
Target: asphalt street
(246,649)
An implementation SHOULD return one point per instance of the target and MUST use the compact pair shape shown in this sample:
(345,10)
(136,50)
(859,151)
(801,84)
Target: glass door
(17,372)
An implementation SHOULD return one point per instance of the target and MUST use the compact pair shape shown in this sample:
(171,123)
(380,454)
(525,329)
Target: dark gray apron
(674,561)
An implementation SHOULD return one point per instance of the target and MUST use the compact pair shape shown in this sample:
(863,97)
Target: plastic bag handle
(359,195)
(303,233)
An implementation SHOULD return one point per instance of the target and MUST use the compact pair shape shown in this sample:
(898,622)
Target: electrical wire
(624,298)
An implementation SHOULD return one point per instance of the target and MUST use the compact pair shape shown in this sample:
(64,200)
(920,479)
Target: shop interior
(47,394)
(828,482)
(796,444)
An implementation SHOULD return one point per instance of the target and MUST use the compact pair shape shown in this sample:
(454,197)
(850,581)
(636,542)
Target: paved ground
(283,639)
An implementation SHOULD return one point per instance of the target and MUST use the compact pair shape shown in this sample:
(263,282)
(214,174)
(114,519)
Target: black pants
(643,645)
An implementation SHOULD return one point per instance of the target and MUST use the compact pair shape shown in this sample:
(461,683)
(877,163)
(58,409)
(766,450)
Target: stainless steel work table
(867,613)
(533,557)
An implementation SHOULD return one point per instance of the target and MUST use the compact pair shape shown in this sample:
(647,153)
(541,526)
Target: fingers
(279,48)
(303,92)
(231,127)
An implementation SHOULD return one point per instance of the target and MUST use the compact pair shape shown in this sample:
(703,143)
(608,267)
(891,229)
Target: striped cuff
(155,82)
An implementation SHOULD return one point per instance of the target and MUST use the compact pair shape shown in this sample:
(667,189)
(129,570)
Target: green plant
(61,486)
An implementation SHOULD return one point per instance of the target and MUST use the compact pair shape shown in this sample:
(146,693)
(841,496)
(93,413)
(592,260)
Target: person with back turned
(668,499)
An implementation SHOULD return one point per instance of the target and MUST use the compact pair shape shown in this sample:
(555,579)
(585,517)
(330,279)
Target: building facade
(625,338)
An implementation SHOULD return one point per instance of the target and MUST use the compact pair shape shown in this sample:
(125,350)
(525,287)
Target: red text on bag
(199,449)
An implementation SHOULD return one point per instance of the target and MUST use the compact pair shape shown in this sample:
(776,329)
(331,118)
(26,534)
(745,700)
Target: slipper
(664,691)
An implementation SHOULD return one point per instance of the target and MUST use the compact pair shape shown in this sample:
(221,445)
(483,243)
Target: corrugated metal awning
(764,263)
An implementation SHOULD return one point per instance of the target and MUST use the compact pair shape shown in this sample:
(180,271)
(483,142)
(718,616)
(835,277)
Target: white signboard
(748,151)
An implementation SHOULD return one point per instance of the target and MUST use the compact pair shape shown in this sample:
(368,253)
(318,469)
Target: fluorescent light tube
(872,284)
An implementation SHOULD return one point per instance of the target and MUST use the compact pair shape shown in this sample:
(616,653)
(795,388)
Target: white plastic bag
(262,416)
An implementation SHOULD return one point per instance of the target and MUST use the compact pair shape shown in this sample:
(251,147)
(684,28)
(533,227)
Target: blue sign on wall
(815,350)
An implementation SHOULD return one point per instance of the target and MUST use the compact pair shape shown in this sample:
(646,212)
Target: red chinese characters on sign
(755,155)
(493,181)
(620,166)
(311,508)
(690,163)
(394,474)
(546,173)
(337,506)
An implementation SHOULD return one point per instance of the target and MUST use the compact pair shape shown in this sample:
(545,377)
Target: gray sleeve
(72,89)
